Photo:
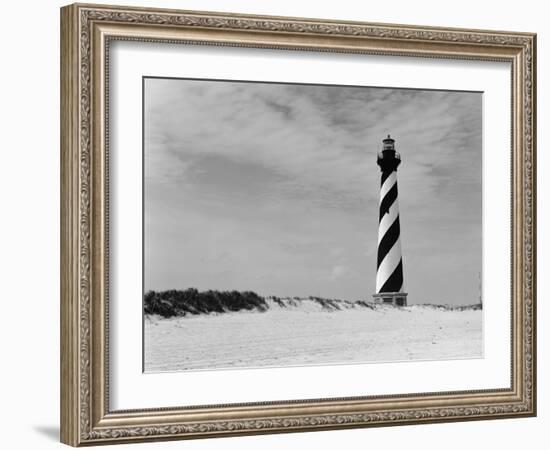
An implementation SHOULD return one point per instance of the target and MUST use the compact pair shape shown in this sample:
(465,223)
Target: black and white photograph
(300,224)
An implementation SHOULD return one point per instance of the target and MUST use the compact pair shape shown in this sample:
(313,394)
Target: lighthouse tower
(389,269)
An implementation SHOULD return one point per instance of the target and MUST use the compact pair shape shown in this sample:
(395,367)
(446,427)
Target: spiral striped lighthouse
(389,269)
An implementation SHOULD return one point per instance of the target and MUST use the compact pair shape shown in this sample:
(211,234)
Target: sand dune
(306,333)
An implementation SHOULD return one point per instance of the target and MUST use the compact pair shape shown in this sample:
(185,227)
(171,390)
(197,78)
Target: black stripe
(387,242)
(385,176)
(395,282)
(387,201)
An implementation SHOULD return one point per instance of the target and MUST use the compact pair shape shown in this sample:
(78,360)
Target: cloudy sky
(274,188)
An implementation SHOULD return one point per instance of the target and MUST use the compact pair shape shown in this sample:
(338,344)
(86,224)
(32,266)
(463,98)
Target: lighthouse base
(391,298)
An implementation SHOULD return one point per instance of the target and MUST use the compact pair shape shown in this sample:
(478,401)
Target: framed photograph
(275,224)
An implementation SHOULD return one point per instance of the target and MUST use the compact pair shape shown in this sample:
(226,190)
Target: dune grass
(190,301)
(178,303)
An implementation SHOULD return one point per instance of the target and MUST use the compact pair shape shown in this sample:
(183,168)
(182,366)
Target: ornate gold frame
(86,31)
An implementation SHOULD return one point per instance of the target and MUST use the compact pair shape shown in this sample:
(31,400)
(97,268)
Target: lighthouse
(389,268)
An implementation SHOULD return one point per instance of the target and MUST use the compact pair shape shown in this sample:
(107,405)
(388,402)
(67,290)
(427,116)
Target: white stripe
(388,265)
(390,181)
(388,219)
